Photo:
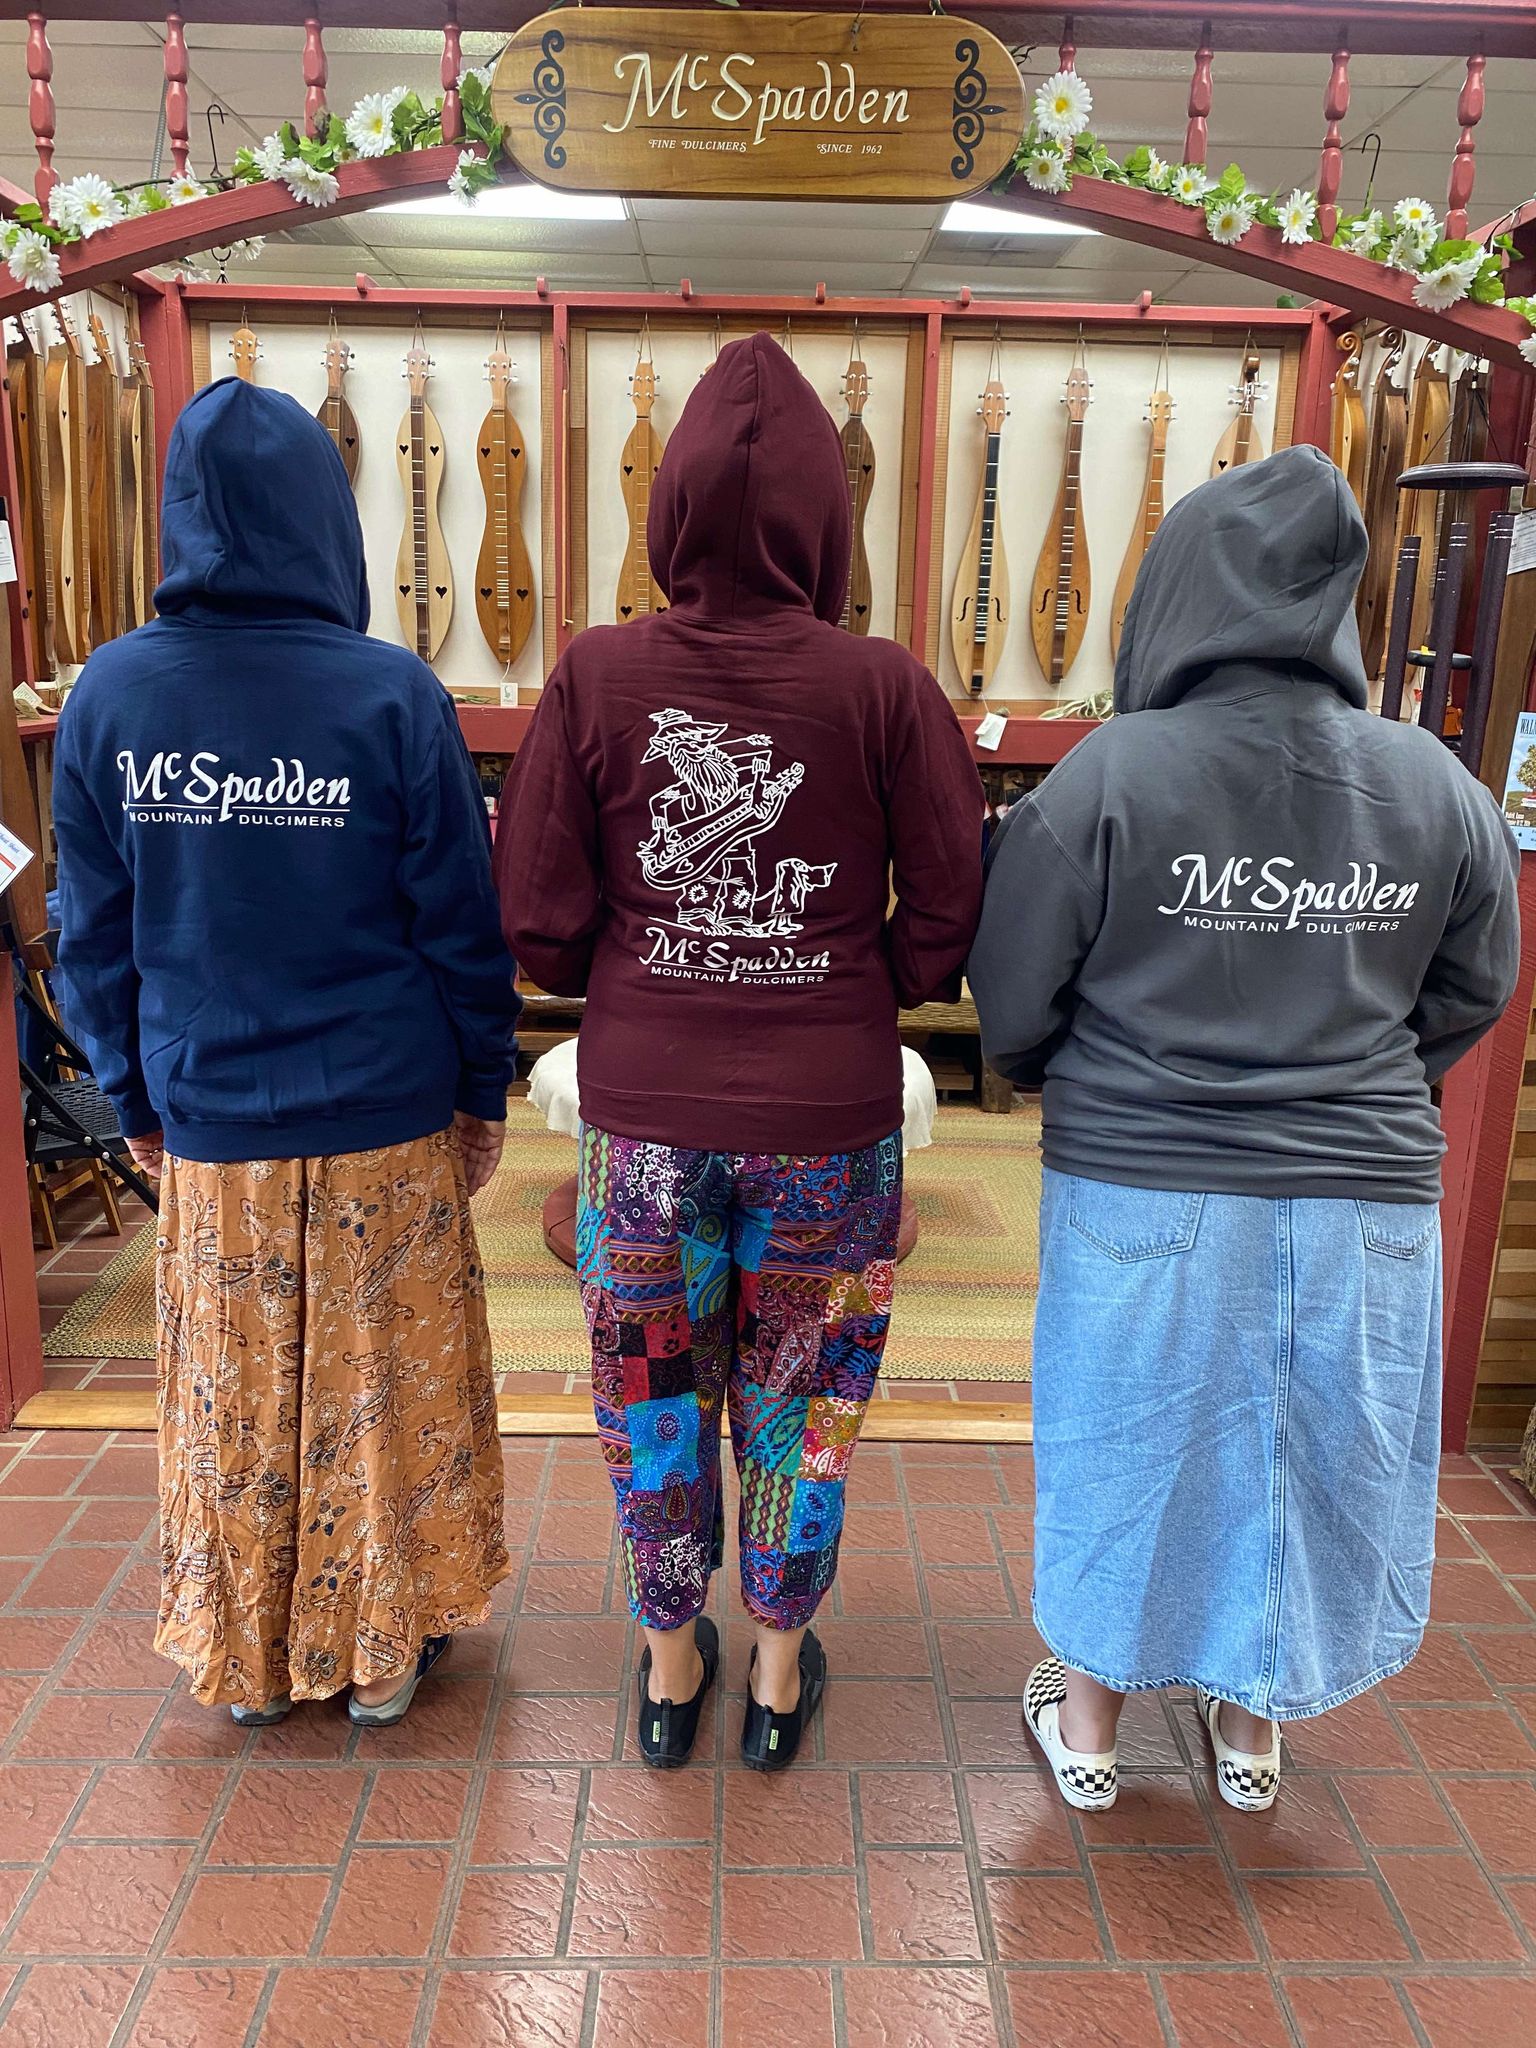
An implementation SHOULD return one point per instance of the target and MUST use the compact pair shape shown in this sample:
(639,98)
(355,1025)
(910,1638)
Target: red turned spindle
(1330,171)
(1469,111)
(41,109)
(1066,56)
(1199,99)
(453,64)
(316,113)
(176,92)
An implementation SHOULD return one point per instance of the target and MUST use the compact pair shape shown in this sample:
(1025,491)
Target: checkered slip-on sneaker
(1085,1781)
(1247,1782)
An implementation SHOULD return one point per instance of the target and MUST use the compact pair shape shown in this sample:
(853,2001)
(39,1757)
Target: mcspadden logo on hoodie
(702,852)
(1244,895)
(175,790)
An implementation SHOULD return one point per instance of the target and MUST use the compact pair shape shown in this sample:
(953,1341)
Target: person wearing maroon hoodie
(701,834)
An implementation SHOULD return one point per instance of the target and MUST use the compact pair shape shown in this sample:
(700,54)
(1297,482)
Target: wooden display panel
(293,342)
(603,354)
(1123,365)
(1506,1379)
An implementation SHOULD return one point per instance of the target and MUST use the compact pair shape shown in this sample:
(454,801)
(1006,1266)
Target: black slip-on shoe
(770,1741)
(666,1728)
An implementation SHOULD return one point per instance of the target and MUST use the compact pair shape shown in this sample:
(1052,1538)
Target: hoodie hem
(315,1138)
(1194,1171)
(802,1130)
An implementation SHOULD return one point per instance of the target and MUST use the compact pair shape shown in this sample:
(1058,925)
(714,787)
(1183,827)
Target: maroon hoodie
(702,829)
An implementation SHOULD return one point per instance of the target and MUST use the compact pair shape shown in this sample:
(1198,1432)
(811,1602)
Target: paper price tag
(989,733)
(14,856)
(7,553)
(1522,546)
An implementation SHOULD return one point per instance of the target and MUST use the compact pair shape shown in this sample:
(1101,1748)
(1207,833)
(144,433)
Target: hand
(480,1141)
(148,1154)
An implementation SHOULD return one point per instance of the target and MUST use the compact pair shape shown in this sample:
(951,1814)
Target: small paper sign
(14,856)
(7,553)
(1520,783)
(989,733)
(1522,546)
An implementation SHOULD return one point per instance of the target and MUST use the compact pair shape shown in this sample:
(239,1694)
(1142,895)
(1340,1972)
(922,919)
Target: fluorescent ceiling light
(963,218)
(517,202)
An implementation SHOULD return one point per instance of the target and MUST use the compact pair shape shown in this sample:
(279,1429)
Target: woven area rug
(964,1300)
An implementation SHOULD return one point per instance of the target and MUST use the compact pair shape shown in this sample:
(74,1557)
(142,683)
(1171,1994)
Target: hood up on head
(1257,566)
(749,512)
(258,519)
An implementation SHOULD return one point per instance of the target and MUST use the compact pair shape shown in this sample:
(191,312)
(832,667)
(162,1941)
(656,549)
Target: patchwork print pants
(753,1281)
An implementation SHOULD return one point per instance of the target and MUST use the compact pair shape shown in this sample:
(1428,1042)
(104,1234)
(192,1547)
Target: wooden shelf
(501,729)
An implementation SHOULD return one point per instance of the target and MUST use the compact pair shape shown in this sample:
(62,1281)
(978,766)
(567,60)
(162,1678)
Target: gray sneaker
(399,1705)
(263,1717)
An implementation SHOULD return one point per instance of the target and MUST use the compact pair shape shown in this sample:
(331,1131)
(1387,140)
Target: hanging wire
(214,107)
(1370,183)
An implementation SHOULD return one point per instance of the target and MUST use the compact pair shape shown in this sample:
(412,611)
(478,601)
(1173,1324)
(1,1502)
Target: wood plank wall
(1506,1380)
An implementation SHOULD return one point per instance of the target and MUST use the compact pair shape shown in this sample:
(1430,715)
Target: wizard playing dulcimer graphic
(705,825)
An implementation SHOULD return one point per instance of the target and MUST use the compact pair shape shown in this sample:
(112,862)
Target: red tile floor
(502,1870)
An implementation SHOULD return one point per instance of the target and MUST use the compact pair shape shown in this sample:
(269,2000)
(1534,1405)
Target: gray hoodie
(1239,938)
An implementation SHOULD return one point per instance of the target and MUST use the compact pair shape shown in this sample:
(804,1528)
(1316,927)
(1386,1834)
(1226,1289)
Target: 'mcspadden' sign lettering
(758,106)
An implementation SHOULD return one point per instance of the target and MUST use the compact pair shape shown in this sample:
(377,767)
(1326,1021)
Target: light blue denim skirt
(1237,1436)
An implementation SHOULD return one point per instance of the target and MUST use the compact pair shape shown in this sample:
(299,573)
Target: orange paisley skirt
(330,1474)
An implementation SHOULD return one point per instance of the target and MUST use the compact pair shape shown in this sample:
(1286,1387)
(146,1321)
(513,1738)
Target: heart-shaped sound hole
(629,469)
(405,590)
(351,440)
(625,610)
(405,447)
(485,590)
(485,451)
(433,449)
(441,589)
(515,451)
(522,593)
(861,609)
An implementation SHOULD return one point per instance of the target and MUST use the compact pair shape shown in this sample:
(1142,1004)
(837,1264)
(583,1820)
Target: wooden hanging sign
(727,104)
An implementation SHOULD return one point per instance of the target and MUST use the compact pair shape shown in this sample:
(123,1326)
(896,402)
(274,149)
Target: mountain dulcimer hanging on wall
(335,412)
(104,453)
(1242,442)
(1388,436)
(979,614)
(859,460)
(503,572)
(1348,439)
(244,353)
(1468,442)
(423,579)
(1429,429)
(1058,611)
(1149,514)
(68,494)
(29,408)
(141,497)
(638,595)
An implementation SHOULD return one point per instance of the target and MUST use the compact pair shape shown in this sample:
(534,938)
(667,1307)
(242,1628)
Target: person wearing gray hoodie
(1238,934)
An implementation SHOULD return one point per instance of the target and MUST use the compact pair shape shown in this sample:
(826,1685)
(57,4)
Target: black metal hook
(214,107)
(1370,183)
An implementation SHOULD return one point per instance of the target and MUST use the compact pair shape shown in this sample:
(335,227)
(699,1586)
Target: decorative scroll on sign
(758,106)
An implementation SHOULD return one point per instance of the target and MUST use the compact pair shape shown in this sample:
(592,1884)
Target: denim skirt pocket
(1398,1230)
(1130,1224)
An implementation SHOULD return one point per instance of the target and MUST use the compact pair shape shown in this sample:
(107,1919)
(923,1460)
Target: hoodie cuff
(482,1097)
(137,1116)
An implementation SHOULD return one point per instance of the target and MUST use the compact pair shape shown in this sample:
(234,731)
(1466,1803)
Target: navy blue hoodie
(280,938)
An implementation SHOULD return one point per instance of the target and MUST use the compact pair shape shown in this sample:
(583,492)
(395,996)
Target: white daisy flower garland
(381,124)
(1058,146)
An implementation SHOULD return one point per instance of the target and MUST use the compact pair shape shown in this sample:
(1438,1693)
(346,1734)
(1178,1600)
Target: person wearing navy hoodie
(281,950)
(700,835)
